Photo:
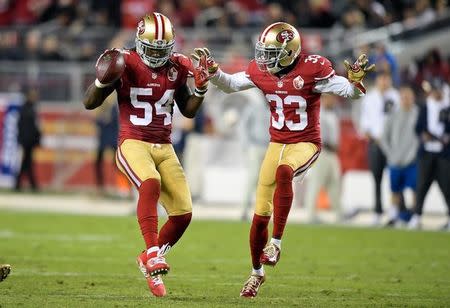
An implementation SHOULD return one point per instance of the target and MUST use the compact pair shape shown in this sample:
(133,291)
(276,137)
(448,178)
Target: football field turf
(89,261)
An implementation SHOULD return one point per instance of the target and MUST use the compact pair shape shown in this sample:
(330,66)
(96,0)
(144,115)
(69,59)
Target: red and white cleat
(155,265)
(152,268)
(270,255)
(156,286)
(251,286)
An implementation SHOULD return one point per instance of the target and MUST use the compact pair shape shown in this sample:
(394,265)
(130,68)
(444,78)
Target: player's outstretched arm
(350,87)
(108,69)
(228,83)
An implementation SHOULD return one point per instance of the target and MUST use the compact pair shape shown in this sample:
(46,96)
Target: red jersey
(294,105)
(145,96)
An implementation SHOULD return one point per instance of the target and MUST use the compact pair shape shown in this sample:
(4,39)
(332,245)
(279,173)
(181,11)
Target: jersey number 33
(282,120)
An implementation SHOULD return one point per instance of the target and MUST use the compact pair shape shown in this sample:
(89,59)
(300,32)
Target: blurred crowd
(50,29)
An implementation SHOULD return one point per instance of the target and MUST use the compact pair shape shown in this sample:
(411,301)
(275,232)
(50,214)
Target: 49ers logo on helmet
(141,27)
(285,36)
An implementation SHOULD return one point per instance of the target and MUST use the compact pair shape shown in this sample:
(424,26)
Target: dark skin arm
(187,102)
(94,96)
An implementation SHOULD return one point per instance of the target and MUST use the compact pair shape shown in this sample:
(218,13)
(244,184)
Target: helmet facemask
(268,57)
(154,54)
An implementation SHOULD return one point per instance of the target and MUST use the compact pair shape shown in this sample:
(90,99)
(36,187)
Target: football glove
(207,62)
(358,70)
(201,79)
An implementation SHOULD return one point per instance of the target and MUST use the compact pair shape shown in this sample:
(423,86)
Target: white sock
(258,272)
(276,242)
(152,249)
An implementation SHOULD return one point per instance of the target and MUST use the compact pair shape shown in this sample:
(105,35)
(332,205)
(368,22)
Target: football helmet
(155,38)
(278,46)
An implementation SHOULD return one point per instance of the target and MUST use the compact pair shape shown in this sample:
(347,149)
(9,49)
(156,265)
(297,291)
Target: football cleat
(5,269)
(155,265)
(270,255)
(156,286)
(251,286)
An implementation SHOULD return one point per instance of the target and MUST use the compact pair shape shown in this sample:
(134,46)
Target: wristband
(200,93)
(100,85)
(360,86)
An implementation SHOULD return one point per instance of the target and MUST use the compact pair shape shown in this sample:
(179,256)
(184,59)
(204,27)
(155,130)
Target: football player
(292,83)
(148,79)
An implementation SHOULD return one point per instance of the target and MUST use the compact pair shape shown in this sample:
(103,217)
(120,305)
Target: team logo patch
(141,27)
(298,82)
(285,35)
(172,74)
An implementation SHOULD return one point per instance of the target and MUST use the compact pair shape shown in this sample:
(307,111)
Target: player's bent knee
(150,185)
(284,174)
(184,219)
(181,210)
(265,210)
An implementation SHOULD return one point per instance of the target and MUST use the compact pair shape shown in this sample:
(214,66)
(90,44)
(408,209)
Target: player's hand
(358,70)
(201,77)
(204,58)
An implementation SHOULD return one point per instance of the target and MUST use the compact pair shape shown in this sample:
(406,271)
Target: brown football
(110,66)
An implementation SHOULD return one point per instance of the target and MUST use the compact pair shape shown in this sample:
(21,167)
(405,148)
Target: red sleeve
(324,69)
(184,62)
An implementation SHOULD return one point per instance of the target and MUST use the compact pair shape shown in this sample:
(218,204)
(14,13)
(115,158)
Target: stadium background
(53,45)
(88,260)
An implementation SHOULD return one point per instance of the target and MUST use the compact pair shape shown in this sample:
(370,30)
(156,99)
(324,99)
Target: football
(110,66)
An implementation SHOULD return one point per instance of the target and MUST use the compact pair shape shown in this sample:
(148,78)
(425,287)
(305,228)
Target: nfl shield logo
(154,75)
(280,84)
(298,82)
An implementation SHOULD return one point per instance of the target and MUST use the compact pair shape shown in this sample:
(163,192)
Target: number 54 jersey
(294,105)
(146,97)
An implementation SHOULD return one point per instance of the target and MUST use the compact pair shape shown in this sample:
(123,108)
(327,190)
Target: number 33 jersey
(146,97)
(294,104)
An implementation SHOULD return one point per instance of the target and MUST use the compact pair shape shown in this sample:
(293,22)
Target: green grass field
(81,261)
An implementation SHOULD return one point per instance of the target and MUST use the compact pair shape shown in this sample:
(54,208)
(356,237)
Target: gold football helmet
(155,38)
(278,46)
